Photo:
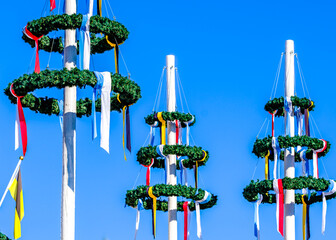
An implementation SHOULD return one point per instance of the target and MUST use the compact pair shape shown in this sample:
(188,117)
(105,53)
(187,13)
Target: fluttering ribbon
(289,110)
(273,116)
(96,89)
(196,167)
(152,132)
(304,217)
(99,7)
(177,131)
(183,171)
(315,158)
(159,150)
(52,5)
(331,190)
(278,188)
(205,199)
(84,43)
(267,165)
(20,122)
(305,162)
(137,223)
(36,39)
(126,121)
(163,127)
(116,53)
(148,173)
(188,129)
(186,219)
(60,106)
(151,195)
(305,191)
(105,78)
(306,118)
(276,151)
(256,216)
(299,121)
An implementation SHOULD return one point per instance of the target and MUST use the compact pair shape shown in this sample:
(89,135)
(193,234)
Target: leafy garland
(159,190)
(129,91)
(145,155)
(115,31)
(278,104)
(261,146)
(171,116)
(3,237)
(250,192)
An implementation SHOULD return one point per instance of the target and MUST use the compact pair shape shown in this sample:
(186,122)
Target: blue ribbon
(288,106)
(60,106)
(97,87)
(182,168)
(82,30)
(140,205)
(256,227)
(158,150)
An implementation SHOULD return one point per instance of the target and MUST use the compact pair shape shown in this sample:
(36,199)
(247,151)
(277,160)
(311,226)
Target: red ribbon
(23,126)
(148,172)
(281,206)
(319,151)
(52,5)
(273,115)
(36,39)
(177,131)
(186,212)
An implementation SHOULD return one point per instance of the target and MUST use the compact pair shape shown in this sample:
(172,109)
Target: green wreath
(162,190)
(145,155)
(129,91)
(115,31)
(171,116)
(251,192)
(262,146)
(3,237)
(278,104)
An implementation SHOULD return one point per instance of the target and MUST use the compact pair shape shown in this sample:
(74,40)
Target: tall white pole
(289,154)
(69,135)
(171,106)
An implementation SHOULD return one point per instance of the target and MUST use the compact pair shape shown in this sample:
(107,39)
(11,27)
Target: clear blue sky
(227,54)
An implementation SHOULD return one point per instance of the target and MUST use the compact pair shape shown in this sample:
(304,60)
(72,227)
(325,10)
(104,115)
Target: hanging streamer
(60,106)
(152,133)
(137,223)
(84,43)
(36,39)
(159,150)
(126,121)
(196,167)
(306,115)
(183,171)
(150,194)
(163,127)
(177,131)
(276,151)
(186,220)
(315,158)
(52,5)
(331,190)
(99,7)
(273,116)
(267,165)
(116,53)
(299,121)
(20,122)
(148,173)
(289,111)
(306,192)
(278,188)
(188,129)
(96,89)
(205,199)
(256,216)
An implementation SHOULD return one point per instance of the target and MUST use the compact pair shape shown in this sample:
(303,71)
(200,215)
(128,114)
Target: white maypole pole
(171,170)
(289,154)
(69,135)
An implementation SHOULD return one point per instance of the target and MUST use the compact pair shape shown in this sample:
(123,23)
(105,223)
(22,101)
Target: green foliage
(115,31)
(3,237)
(145,155)
(159,190)
(129,91)
(278,104)
(171,116)
(250,192)
(261,146)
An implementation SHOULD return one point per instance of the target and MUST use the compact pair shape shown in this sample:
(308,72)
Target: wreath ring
(171,116)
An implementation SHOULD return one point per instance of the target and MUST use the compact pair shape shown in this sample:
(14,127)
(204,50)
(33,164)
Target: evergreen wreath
(171,116)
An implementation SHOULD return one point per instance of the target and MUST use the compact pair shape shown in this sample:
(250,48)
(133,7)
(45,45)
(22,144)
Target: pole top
(289,46)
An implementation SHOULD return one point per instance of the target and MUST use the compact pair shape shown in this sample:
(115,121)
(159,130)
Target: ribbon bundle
(278,188)
(36,39)
(256,216)
(151,195)
(315,158)
(159,150)
(163,128)
(128,127)
(188,129)
(196,167)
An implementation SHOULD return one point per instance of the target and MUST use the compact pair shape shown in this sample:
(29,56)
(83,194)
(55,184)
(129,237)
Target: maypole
(289,163)
(69,134)
(171,107)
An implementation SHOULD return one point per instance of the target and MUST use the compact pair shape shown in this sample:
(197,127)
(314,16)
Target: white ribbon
(60,106)
(331,190)
(205,199)
(159,150)
(183,170)
(275,146)
(152,132)
(315,158)
(305,169)
(289,110)
(137,223)
(299,120)
(17,132)
(256,217)
(85,41)
(188,129)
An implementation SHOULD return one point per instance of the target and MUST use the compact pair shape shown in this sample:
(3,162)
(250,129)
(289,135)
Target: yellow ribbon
(99,7)
(150,193)
(116,50)
(311,105)
(304,215)
(123,137)
(163,128)
(267,165)
(196,168)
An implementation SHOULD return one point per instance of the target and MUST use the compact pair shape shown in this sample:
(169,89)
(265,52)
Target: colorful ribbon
(36,39)
(148,173)
(305,192)
(267,165)
(177,127)
(183,171)
(159,150)
(128,127)
(99,7)
(278,188)
(52,5)
(331,190)
(289,110)
(299,121)
(116,53)
(186,219)
(256,216)
(206,198)
(152,132)
(60,106)
(163,127)
(276,151)
(96,89)
(273,115)
(150,194)
(196,167)
(315,158)
(20,119)
(188,129)
(84,43)
(306,114)
(137,223)
(304,217)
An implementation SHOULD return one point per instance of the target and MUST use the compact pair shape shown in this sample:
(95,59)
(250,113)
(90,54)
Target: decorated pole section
(289,153)
(171,107)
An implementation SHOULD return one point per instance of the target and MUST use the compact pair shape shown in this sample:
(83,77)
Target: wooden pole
(171,107)
(69,135)
(289,154)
